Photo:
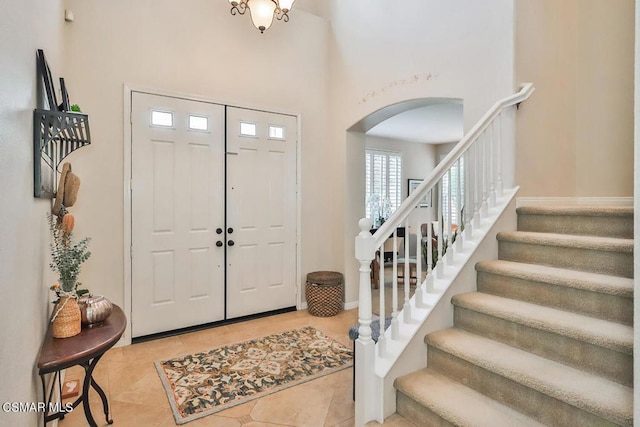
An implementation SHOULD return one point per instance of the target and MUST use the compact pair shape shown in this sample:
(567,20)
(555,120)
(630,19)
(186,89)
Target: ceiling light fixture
(263,11)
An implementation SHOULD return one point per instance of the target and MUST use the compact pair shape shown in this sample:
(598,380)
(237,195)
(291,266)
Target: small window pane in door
(276,132)
(161,118)
(248,129)
(198,123)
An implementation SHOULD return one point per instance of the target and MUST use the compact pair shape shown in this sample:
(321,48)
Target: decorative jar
(94,309)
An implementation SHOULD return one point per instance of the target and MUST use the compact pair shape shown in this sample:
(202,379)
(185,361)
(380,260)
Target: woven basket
(67,322)
(325,293)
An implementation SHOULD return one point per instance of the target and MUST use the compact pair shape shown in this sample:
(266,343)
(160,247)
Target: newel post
(364,345)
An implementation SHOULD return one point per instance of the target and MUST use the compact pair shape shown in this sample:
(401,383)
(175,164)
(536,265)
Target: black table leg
(103,396)
(44,396)
(88,372)
(90,382)
(48,398)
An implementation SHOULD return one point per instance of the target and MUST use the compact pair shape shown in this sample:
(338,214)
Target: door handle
(229,230)
(231,243)
(219,230)
(219,243)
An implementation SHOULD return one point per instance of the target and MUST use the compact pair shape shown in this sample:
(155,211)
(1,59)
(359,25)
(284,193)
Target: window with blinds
(457,203)
(383,183)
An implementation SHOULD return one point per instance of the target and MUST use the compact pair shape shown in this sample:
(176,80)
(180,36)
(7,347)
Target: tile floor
(137,398)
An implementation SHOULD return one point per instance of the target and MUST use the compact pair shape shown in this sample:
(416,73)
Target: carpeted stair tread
(612,221)
(456,403)
(586,391)
(602,333)
(595,282)
(573,210)
(567,240)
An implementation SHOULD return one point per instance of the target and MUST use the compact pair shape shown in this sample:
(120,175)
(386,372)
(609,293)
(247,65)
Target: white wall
(197,48)
(24,234)
(574,135)
(383,53)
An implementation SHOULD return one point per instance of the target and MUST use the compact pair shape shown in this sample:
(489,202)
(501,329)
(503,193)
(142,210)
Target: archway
(421,130)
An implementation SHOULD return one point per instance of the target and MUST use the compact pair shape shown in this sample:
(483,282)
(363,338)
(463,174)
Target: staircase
(547,338)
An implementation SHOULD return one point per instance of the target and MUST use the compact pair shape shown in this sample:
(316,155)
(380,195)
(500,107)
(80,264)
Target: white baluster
(468,199)
(492,167)
(429,282)
(449,226)
(440,262)
(485,178)
(498,136)
(406,308)
(382,342)
(477,180)
(419,284)
(459,204)
(395,329)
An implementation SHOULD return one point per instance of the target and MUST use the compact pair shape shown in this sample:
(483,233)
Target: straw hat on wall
(67,193)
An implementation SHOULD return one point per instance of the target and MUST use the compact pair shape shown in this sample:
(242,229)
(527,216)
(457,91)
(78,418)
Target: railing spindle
(382,342)
(406,308)
(419,290)
(468,203)
(429,255)
(476,184)
(485,178)
(493,170)
(498,135)
(395,330)
(439,264)
(459,211)
(449,226)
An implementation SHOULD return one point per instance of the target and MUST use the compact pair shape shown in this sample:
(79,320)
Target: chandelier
(263,11)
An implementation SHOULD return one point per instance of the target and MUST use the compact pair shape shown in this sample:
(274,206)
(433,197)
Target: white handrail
(410,202)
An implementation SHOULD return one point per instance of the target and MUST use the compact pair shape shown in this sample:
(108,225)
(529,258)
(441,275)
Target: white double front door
(213,212)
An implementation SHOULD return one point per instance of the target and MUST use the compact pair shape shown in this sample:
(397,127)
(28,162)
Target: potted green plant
(66,260)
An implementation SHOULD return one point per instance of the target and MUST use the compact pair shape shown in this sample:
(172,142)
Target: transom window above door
(161,118)
(248,129)
(198,122)
(276,132)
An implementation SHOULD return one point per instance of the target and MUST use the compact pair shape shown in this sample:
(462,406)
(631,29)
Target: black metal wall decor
(57,132)
(44,74)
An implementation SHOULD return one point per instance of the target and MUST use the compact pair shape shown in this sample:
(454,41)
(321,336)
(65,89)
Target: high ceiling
(315,7)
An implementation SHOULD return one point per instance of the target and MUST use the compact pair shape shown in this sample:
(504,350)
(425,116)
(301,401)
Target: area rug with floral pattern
(201,384)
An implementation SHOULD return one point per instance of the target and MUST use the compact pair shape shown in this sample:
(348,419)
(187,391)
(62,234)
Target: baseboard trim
(347,305)
(204,326)
(350,305)
(574,201)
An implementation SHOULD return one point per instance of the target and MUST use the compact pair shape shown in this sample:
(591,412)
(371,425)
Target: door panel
(177,204)
(261,210)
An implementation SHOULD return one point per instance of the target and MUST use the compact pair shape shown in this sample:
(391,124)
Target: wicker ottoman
(325,293)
